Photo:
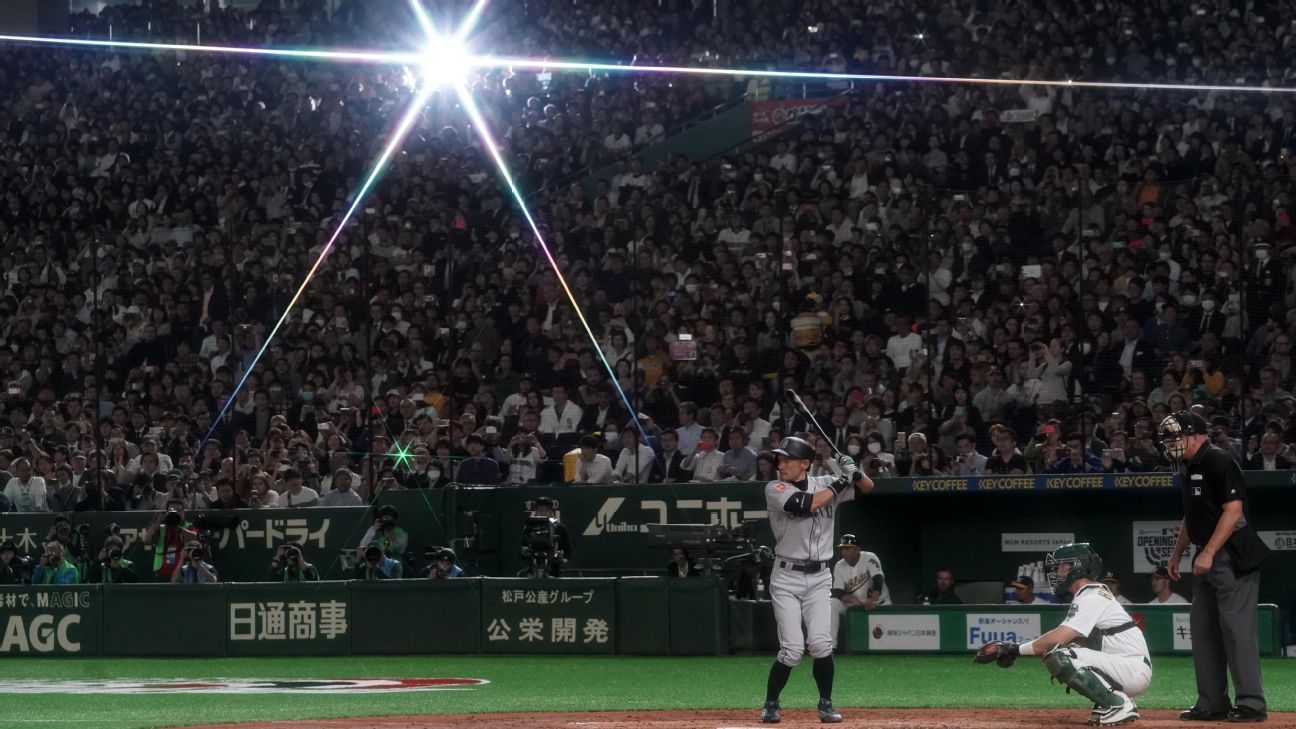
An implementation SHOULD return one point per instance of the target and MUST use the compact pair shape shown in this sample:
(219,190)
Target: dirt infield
(881,718)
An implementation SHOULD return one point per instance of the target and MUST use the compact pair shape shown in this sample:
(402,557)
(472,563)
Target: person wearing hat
(858,581)
(1160,579)
(1024,591)
(1113,584)
(1226,568)
(801,513)
(444,567)
(14,569)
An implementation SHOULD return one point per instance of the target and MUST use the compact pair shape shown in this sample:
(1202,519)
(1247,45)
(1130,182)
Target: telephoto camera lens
(114,554)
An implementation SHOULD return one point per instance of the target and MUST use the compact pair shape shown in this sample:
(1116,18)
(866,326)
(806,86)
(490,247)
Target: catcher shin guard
(1083,681)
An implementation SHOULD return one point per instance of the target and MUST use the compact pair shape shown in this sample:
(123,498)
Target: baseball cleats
(1122,713)
(770,714)
(827,714)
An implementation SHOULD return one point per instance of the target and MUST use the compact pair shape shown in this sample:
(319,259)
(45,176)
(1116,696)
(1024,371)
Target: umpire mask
(1174,431)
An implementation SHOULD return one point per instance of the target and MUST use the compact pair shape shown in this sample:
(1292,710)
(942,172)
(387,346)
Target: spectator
(669,464)
(705,461)
(261,493)
(194,569)
(296,493)
(1267,458)
(343,492)
(1113,584)
(878,463)
(477,468)
(919,460)
(943,594)
(226,496)
(634,464)
(53,569)
(524,455)
(1162,593)
(968,462)
(739,462)
(1077,460)
(592,466)
(376,566)
(562,416)
(25,490)
(688,430)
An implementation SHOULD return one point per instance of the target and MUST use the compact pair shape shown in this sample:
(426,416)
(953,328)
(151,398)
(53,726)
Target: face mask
(691,288)
(1165,255)
(853,449)
(1208,305)
(611,437)
(1262,254)
(969,247)
(875,448)
(434,474)
(1188,299)
(307,395)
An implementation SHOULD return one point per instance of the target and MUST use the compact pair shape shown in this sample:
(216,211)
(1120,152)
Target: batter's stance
(801,513)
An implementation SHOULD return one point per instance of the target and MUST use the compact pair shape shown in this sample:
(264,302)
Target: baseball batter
(801,511)
(1098,651)
(857,581)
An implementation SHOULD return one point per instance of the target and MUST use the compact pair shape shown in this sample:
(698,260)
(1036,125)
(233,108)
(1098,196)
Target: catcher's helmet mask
(1084,564)
(1174,430)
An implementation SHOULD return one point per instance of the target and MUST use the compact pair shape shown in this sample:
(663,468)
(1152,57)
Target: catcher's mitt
(1003,652)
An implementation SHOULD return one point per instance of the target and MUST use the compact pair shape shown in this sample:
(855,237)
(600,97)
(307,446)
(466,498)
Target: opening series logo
(244,686)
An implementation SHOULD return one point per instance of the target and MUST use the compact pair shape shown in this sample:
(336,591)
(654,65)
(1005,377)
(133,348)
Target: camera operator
(377,566)
(443,567)
(194,570)
(14,570)
(290,565)
(167,535)
(53,569)
(76,542)
(384,534)
(546,552)
(111,567)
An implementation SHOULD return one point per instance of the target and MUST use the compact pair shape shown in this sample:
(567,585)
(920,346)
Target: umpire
(1226,568)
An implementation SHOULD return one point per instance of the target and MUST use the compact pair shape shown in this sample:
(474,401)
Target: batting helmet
(795,448)
(1085,564)
(1176,427)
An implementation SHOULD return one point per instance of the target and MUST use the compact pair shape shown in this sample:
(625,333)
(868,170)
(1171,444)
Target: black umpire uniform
(1224,606)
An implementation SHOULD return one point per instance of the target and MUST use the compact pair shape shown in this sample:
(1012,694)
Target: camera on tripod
(540,547)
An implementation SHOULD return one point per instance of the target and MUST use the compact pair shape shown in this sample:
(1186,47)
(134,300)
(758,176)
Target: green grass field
(560,684)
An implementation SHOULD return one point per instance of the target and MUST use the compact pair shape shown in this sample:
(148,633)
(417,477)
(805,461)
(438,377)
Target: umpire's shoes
(1122,713)
(827,714)
(770,714)
(1198,713)
(1247,714)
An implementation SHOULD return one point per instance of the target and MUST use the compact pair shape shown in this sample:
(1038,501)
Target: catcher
(1098,651)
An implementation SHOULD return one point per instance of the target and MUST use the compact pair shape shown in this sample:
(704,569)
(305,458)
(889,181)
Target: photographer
(876,461)
(53,569)
(443,567)
(967,462)
(384,534)
(377,566)
(111,567)
(290,565)
(523,457)
(167,536)
(14,570)
(194,570)
(75,541)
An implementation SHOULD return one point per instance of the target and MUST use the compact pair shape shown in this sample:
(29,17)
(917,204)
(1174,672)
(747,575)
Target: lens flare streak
(378,57)
(488,141)
(393,143)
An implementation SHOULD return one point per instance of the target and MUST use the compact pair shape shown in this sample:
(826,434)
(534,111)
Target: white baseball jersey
(1174,599)
(1094,609)
(856,580)
(805,538)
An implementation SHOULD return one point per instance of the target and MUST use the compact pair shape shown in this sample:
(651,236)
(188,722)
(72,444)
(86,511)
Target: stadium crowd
(958,279)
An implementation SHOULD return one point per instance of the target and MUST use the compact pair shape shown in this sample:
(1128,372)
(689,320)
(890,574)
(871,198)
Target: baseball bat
(795,399)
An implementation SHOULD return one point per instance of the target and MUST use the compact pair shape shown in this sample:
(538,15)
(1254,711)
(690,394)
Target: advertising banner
(1154,542)
(985,628)
(549,616)
(768,115)
(51,621)
(1034,541)
(904,632)
(1284,541)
